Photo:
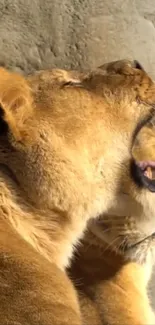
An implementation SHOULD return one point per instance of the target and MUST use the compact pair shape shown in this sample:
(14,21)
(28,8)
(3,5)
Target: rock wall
(38,34)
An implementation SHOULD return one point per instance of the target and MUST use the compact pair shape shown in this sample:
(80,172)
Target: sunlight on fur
(66,151)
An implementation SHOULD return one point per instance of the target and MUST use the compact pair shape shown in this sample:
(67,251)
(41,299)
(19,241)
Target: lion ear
(135,77)
(137,65)
(15,102)
(121,67)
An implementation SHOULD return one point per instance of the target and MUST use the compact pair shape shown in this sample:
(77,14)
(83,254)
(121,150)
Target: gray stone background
(38,34)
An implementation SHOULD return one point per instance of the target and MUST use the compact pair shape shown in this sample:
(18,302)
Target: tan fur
(112,289)
(113,265)
(65,153)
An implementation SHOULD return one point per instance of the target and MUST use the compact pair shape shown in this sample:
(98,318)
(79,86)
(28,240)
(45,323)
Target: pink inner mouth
(148,168)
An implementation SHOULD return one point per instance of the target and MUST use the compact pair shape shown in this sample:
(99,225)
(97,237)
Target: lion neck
(51,234)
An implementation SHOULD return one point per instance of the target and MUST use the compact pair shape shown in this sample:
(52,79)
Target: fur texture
(65,155)
(113,288)
(113,265)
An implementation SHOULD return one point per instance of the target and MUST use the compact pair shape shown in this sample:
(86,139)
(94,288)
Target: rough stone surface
(38,34)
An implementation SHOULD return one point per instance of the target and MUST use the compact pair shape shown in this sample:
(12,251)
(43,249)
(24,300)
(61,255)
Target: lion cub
(65,150)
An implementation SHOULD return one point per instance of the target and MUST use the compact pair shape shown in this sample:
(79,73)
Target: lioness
(65,156)
(113,264)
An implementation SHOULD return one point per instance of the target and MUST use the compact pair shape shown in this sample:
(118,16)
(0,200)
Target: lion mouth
(144,172)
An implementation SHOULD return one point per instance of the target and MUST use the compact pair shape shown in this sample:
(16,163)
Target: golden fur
(113,265)
(65,155)
(112,288)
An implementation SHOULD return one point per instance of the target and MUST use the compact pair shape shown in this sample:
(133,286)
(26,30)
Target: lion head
(67,147)
(128,227)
